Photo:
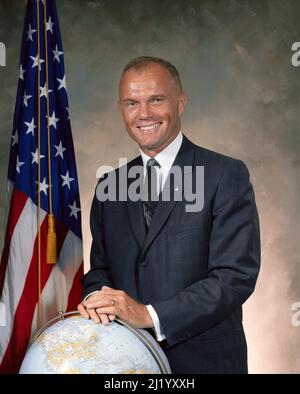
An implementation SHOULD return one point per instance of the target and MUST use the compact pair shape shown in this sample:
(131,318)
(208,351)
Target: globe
(70,344)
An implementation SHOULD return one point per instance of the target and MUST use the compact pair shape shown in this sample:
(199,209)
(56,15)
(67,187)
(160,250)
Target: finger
(104,319)
(92,298)
(111,310)
(99,303)
(108,291)
(93,315)
(112,317)
(105,288)
(82,311)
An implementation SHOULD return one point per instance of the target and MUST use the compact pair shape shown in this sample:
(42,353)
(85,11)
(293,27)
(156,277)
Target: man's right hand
(92,313)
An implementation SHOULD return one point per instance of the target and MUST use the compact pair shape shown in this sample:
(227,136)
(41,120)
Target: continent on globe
(74,345)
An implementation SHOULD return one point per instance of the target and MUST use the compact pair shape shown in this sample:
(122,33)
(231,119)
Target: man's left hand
(122,306)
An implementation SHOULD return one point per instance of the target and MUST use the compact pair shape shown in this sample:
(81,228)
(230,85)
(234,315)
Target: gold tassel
(51,241)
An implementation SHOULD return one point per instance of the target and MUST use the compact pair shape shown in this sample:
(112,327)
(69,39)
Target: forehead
(153,78)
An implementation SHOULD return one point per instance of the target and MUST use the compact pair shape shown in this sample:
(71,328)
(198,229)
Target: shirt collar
(166,157)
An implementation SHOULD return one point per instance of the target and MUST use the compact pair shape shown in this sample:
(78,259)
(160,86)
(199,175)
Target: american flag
(33,291)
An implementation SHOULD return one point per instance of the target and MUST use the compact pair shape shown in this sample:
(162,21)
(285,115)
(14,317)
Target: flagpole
(39,169)
(51,234)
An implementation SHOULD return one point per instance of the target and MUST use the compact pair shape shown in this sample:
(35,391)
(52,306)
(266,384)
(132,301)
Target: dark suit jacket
(196,269)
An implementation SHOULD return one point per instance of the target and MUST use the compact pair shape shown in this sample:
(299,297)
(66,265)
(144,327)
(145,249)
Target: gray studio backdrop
(235,60)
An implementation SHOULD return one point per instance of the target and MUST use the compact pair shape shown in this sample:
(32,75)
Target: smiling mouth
(149,127)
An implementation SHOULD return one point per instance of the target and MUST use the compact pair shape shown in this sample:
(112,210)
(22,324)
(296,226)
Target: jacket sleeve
(99,273)
(233,262)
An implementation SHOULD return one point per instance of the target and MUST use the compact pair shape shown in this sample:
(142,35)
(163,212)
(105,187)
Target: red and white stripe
(61,289)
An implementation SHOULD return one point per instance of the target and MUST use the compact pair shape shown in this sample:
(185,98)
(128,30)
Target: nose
(145,111)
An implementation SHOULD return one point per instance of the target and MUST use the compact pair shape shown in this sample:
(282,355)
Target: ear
(183,99)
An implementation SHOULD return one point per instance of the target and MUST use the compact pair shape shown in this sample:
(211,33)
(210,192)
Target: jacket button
(144,263)
(188,334)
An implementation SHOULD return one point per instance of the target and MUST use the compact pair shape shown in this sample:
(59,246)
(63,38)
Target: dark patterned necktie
(150,197)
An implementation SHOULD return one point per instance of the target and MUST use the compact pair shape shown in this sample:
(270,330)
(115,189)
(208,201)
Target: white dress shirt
(165,159)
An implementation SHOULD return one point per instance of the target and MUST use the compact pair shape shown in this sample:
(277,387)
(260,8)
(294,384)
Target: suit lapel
(185,157)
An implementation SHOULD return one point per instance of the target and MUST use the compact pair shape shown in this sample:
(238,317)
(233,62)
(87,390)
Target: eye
(131,104)
(157,100)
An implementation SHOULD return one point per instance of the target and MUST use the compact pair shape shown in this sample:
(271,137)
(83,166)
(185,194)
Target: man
(156,265)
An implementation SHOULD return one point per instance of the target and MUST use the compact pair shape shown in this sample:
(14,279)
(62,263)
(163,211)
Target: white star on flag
(56,54)
(19,165)
(59,150)
(43,186)
(29,33)
(26,98)
(67,180)
(43,91)
(62,83)
(21,72)
(31,126)
(35,156)
(53,120)
(15,138)
(35,61)
(39,114)
(49,25)
(74,210)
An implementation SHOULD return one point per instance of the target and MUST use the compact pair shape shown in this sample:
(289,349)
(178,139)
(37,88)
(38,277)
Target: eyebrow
(129,99)
(162,96)
(157,96)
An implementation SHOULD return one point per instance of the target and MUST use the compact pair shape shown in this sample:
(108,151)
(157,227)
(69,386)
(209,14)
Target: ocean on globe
(74,345)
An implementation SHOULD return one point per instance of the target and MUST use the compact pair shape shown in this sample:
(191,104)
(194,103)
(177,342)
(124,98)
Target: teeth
(151,127)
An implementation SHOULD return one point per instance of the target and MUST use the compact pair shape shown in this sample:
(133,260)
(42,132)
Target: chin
(152,146)
(151,142)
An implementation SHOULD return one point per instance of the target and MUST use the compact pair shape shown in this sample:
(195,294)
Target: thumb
(106,288)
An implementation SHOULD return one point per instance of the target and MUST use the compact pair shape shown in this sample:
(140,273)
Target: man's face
(151,105)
